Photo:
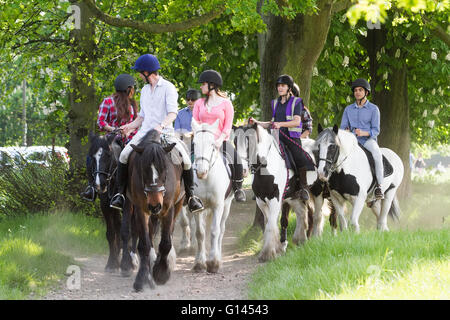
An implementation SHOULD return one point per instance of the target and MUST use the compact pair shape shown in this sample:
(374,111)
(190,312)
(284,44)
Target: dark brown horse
(104,151)
(157,193)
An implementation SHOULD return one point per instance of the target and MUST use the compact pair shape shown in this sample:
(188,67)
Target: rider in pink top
(215,106)
(224,112)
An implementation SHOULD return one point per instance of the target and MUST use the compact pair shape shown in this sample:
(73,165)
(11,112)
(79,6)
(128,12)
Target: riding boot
(378,192)
(194,203)
(118,200)
(303,193)
(237,178)
(89,193)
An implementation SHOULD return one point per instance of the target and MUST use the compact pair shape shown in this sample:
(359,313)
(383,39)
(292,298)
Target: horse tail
(394,211)
(333,216)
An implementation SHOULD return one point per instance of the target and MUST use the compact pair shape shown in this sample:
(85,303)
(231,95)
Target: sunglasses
(193,100)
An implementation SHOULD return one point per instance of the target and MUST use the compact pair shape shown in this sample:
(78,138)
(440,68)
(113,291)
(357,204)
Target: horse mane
(347,141)
(153,152)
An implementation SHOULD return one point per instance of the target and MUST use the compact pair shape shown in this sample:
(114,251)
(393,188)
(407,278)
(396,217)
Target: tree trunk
(291,47)
(393,104)
(83,101)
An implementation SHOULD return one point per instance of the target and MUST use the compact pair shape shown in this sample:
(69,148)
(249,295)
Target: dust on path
(229,283)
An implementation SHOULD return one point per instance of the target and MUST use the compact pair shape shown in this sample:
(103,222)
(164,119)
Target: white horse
(213,186)
(344,166)
(260,150)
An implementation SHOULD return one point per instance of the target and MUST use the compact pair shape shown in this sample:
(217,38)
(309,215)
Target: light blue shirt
(365,118)
(156,105)
(183,121)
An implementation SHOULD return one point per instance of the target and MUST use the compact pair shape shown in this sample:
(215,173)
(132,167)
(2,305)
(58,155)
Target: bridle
(210,160)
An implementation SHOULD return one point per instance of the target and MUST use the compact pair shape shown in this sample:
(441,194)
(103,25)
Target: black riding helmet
(286,79)
(361,83)
(193,94)
(123,82)
(211,76)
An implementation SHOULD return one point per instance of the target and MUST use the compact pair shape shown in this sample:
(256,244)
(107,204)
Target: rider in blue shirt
(363,119)
(182,123)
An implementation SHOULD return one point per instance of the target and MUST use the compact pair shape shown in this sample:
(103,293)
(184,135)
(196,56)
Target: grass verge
(36,250)
(370,265)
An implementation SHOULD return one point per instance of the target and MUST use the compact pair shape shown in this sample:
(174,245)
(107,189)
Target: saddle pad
(387,167)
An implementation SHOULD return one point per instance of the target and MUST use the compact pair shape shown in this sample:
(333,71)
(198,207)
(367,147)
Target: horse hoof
(199,267)
(138,287)
(111,269)
(212,266)
(267,256)
(161,274)
(126,273)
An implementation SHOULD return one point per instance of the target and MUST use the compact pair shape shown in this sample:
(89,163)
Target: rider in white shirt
(159,108)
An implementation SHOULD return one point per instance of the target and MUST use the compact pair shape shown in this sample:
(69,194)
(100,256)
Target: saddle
(387,167)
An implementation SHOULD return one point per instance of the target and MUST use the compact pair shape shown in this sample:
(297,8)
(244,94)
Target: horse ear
(335,129)
(195,126)
(136,148)
(169,147)
(319,128)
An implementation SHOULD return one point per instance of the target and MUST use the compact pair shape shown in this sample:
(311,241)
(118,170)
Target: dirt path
(229,283)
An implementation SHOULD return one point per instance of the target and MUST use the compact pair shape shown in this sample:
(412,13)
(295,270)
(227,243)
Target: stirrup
(117,195)
(201,208)
(240,191)
(94,194)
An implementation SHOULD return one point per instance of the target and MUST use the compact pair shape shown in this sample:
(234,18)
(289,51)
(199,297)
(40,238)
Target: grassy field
(412,261)
(36,250)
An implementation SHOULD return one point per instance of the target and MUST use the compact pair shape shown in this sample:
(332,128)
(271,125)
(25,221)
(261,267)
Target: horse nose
(155,209)
(202,174)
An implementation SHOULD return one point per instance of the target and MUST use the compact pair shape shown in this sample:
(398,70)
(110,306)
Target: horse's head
(327,144)
(205,151)
(153,172)
(103,151)
(245,142)
(332,144)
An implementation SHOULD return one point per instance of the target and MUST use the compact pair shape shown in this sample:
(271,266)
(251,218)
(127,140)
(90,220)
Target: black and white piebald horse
(344,166)
(274,186)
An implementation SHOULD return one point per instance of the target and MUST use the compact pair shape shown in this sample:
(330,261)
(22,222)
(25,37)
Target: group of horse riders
(159,109)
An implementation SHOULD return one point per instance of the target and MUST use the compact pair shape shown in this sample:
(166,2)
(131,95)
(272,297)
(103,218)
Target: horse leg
(108,213)
(318,216)
(134,238)
(126,265)
(358,205)
(340,211)
(143,276)
(161,270)
(284,221)
(226,212)
(185,231)
(301,228)
(200,257)
(386,204)
(271,241)
(213,263)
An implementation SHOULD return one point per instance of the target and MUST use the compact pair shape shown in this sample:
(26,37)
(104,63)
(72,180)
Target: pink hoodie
(224,112)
